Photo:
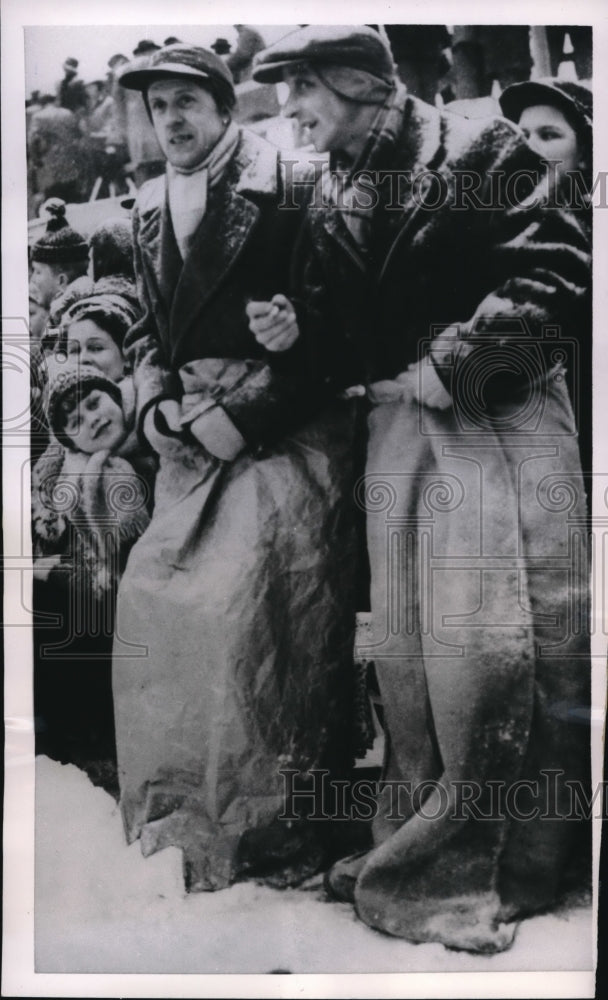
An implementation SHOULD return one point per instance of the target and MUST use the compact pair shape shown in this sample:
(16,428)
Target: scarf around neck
(382,137)
(187,189)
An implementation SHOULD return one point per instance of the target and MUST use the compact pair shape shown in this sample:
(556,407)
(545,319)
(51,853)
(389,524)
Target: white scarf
(187,189)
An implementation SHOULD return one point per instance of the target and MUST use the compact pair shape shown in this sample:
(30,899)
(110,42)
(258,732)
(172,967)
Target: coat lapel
(216,245)
(159,252)
(420,148)
(223,234)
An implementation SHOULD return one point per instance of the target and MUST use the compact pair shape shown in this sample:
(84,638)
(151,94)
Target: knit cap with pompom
(60,244)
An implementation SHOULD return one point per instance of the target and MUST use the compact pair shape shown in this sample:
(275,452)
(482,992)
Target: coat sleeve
(271,403)
(288,388)
(152,376)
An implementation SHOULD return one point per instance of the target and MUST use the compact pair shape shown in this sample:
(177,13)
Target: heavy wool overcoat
(476,522)
(235,618)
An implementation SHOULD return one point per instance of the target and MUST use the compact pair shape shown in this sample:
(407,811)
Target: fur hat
(111,245)
(76,382)
(355,46)
(188,61)
(60,244)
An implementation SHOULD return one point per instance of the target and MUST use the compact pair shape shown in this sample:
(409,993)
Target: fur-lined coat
(476,522)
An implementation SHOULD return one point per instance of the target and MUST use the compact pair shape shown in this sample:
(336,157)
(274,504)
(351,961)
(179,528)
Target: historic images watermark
(431,189)
(317,796)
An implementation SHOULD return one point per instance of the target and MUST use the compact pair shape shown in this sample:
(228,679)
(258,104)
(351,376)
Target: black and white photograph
(306,499)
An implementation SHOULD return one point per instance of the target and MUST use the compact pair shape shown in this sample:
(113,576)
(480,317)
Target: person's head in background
(111,249)
(86,411)
(59,257)
(189,95)
(145,48)
(70,68)
(38,319)
(96,91)
(338,77)
(556,116)
(116,64)
(93,332)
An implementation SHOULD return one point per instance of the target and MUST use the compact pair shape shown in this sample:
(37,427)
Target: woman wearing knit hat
(246,670)
(444,307)
(94,329)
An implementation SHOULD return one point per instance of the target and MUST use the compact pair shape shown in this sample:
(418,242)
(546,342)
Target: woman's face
(335,125)
(89,344)
(96,423)
(551,136)
(186,120)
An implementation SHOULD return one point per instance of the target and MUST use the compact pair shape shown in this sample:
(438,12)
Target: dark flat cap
(181,60)
(575,100)
(356,46)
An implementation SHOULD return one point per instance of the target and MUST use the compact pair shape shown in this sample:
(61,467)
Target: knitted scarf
(187,189)
(338,182)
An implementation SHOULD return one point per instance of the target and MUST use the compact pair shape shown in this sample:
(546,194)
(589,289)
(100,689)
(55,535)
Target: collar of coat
(427,139)
(181,290)
(254,163)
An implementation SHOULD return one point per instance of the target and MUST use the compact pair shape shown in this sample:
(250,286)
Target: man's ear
(62,279)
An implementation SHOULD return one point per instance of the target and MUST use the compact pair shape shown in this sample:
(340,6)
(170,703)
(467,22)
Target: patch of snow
(101,907)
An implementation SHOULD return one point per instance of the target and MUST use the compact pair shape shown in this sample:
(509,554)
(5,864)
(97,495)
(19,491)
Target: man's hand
(273,324)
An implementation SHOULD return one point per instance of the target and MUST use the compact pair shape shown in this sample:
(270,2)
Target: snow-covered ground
(101,907)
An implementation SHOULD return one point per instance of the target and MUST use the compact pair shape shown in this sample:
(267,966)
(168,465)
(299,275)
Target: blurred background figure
(419,53)
(483,54)
(145,156)
(71,91)
(111,261)
(107,141)
(55,153)
(221,47)
(240,61)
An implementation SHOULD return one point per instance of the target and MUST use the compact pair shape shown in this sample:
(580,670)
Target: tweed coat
(240,592)
(241,250)
(475,524)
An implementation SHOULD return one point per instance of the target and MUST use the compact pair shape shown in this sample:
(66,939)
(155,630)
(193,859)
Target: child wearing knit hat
(59,257)
(91,492)
(86,413)
(92,419)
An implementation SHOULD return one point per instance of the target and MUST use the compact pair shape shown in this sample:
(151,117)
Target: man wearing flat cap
(444,285)
(242,670)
